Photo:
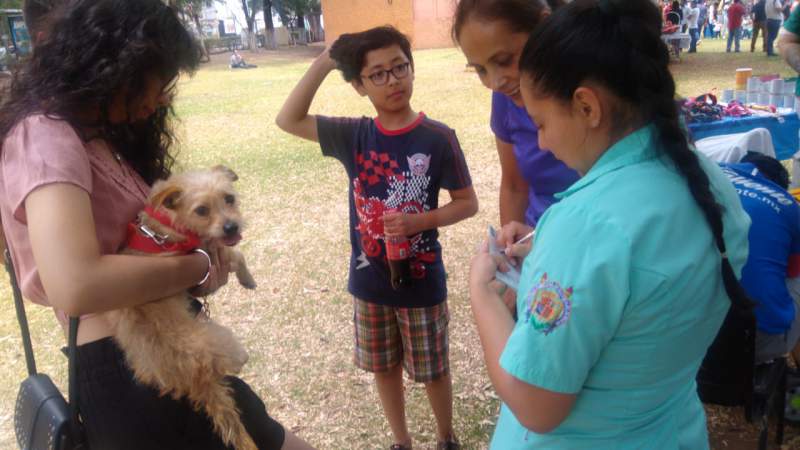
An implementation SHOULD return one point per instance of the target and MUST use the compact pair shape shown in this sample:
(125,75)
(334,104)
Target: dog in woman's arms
(166,344)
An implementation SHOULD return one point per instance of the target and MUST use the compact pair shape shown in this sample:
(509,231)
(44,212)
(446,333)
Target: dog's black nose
(230,228)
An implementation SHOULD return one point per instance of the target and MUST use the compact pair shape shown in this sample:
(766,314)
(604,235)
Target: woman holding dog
(86,129)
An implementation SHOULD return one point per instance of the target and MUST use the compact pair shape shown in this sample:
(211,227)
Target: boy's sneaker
(448,445)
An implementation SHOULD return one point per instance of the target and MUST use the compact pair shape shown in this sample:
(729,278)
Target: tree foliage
(292,12)
(11,4)
(250,8)
(191,10)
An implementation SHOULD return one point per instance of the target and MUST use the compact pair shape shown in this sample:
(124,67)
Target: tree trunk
(251,29)
(316,27)
(201,35)
(269,33)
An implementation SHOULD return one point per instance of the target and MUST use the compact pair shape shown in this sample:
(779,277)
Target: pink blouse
(40,151)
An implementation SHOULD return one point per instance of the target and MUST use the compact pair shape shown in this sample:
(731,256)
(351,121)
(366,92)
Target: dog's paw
(246,280)
(249,285)
(239,358)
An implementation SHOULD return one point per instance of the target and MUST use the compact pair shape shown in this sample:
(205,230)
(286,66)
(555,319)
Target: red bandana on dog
(138,240)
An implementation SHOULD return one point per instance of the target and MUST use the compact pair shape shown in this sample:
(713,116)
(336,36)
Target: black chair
(769,399)
(729,376)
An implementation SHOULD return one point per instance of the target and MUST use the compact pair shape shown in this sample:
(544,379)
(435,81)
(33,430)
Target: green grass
(298,323)
(713,68)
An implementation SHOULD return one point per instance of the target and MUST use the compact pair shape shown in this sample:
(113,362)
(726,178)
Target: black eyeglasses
(381,77)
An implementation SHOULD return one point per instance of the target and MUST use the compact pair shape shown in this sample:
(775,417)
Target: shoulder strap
(72,350)
(21,317)
(72,345)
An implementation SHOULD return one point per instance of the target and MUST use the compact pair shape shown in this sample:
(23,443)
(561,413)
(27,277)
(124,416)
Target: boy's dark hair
(769,167)
(522,16)
(617,44)
(350,50)
(95,50)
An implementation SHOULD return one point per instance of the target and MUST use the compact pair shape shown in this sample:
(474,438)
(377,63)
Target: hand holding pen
(516,238)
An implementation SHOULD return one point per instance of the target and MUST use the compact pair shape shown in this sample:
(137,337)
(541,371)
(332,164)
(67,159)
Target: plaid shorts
(384,335)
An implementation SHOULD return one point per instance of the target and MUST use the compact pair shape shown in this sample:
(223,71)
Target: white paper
(510,278)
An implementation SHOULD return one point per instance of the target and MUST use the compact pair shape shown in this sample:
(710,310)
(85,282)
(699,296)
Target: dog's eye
(201,211)
(229,199)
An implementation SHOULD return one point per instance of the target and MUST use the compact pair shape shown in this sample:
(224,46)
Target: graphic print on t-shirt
(406,192)
(419,164)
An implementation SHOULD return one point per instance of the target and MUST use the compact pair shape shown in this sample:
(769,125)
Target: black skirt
(121,414)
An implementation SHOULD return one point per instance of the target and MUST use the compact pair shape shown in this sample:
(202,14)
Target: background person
(774,251)
(692,19)
(735,14)
(789,44)
(237,62)
(774,11)
(759,25)
(703,20)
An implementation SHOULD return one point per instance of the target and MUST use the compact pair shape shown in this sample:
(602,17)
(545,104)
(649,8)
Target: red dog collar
(145,240)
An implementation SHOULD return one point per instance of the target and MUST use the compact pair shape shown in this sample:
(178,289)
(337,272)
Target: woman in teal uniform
(632,272)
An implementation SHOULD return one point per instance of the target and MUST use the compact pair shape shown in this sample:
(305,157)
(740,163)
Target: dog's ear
(166,195)
(228,172)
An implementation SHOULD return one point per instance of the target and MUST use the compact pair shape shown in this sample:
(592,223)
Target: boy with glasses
(396,164)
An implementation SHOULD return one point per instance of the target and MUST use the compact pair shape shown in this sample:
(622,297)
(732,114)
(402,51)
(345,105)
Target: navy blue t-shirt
(402,170)
(774,240)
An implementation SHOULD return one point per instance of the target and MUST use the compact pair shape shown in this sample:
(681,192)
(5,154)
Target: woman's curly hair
(94,51)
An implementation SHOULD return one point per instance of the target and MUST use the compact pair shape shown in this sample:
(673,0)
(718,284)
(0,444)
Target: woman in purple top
(492,33)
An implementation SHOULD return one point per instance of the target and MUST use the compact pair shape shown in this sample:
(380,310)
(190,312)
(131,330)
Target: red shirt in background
(735,13)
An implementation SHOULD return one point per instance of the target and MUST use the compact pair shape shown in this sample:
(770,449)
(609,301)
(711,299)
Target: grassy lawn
(712,68)
(298,323)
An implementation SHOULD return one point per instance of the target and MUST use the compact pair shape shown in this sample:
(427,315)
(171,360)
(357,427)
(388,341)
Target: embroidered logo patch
(548,305)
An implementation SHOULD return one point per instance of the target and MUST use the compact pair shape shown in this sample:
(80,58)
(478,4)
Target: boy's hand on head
(325,60)
(402,224)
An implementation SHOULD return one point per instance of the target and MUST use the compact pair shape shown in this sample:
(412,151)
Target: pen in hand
(521,240)
(525,238)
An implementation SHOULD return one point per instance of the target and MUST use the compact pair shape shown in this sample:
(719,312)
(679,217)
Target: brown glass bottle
(398,250)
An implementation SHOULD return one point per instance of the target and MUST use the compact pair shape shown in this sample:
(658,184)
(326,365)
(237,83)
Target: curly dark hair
(350,50)
(96,51)
(37,13)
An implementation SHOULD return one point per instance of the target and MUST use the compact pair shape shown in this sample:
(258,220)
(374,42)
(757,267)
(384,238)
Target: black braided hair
(617,44)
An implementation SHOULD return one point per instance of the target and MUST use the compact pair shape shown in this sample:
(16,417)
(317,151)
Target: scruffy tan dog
(166,345)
